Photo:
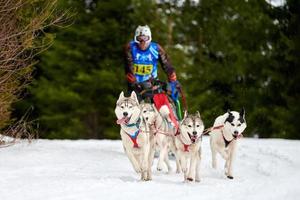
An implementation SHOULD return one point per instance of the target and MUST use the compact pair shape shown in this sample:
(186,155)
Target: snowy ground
(94,169)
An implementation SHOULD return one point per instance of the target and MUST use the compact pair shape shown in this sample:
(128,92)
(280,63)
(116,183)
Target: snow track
(95,169)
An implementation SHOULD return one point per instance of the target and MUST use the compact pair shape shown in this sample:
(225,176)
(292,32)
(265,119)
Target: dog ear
(198,114)
(185,114)
(242,113)
(121,96)
(133,96)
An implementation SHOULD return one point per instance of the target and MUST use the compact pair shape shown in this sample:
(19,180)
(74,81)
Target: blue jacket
(141,65)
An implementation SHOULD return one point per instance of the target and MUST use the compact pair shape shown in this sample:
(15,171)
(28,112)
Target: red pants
(162,99)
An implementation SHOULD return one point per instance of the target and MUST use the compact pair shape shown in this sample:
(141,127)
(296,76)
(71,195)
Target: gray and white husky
(226,130)
(188,145)
(164,135)
(135,134)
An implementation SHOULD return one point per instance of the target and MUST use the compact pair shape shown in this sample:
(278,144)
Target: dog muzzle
(193,138)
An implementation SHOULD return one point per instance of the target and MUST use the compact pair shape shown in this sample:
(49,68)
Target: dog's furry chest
(188,149)
(221,141)
(141,139)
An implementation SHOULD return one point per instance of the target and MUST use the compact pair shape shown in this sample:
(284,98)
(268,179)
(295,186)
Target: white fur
(140,158)
(163,134)
(164,111)
(190,160)
(217,143)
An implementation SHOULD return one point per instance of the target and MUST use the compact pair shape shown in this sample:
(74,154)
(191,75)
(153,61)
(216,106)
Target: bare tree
(22,36)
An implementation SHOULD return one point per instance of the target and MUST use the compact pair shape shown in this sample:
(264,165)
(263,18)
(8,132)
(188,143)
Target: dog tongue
(122,120)
(193,138)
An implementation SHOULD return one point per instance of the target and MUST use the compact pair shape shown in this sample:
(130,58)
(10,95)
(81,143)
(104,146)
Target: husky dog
(188,145)
(135,134)
(164,134)
(226,130)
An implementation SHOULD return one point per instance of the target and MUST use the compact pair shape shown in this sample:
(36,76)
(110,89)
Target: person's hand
(174,86)
(137,87)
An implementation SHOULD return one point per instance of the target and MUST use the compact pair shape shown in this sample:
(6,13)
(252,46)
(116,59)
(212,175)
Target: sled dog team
(145,129)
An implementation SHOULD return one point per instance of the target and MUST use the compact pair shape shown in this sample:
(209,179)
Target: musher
(141,59)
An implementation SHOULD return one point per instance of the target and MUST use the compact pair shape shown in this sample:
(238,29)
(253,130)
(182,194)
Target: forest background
(227,54)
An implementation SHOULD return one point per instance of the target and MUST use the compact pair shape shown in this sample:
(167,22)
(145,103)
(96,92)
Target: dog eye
(232,124)
(130,106)
(145,111)
(190,126)
(239,124)
(122,107)
(198,125)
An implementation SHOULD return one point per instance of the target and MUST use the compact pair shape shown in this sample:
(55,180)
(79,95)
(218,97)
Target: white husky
(188,144)
(135,134)
(164,134)
(226,130)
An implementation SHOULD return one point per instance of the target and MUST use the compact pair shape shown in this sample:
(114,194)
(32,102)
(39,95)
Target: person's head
(142,36)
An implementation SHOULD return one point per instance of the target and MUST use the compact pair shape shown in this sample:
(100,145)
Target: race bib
(141,69)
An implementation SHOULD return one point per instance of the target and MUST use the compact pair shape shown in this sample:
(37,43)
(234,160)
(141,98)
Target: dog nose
(235,132)
(146,118)
(125,113)
(194,132)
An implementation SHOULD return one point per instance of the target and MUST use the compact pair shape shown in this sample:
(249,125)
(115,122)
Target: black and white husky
(226,130)
(135,134)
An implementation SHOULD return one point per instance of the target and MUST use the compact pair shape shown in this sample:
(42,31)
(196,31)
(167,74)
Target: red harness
(134,138)
(186,147)
(206,131)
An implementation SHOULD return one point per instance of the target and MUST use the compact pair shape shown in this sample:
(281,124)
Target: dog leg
(192,169)
(133,161)
(145,162)
(162,155)
(151,158)
(173,149)
(143,167)
(197,179)
(178,167)
(231,159)
(167,161)
(213,155)
(183,164)
(223,153)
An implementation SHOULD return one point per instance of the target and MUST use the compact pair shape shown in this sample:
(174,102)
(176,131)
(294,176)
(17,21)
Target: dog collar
(137,124)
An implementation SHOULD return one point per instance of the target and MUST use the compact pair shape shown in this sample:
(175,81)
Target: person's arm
(129,65)
(166,64)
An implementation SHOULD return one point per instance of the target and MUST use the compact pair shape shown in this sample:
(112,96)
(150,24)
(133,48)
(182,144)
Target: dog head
(149,112)
(127,109)
(191,127)
(235,122)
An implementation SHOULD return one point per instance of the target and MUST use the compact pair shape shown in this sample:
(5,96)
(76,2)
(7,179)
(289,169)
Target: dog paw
(137,170)
(159,169)
(190,179)
(230,177)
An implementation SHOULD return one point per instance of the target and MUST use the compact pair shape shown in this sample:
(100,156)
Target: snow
(99,169)
(276,3)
